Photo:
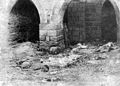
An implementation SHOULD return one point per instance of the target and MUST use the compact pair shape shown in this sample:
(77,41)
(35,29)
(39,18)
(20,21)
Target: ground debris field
(27,64)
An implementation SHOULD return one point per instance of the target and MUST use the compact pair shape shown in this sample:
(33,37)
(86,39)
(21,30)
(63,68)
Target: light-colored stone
(26,65)
(55,50)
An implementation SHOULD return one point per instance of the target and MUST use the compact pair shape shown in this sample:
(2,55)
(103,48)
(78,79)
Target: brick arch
(117,13)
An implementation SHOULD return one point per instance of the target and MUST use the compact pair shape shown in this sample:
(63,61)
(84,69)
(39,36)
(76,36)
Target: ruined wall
(83,20)
(93,21)
(93,25)
(51,16)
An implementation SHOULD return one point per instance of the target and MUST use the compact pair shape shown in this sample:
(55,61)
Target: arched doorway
(109,23)
(82,19)
(24,22)
(73,22)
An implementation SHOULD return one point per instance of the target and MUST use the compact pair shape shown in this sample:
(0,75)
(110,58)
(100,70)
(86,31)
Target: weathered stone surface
(37,66)
(45,68)
(40,66)
(52,11)
(25,48)
(55,50)
(106,48)
(25,65)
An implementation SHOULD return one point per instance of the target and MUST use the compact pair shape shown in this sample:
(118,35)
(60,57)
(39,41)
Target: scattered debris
(41,53)
(51,59)
(62,61)
(77,49)
(26,65)
(22,60)
(36,66)
(107,47)
(51,79)
(40,66)
(45,68)
(102,56)
(82,46)
(93,62)
(55,50)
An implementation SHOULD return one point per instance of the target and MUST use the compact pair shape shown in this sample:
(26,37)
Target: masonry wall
(83,20)
(51,16)
(93,25)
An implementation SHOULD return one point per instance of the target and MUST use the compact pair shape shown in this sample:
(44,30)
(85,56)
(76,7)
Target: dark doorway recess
(73,22)
(24,22)
(109,23)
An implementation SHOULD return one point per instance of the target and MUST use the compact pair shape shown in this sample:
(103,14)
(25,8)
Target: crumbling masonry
(45,20)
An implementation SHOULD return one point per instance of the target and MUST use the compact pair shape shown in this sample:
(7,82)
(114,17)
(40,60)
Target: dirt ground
(85,71)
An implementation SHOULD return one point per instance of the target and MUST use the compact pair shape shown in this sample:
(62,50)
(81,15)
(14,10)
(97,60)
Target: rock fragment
(25,65)
(55,50)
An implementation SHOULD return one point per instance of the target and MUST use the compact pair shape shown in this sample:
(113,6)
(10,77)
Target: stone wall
(93,21)
(51,17)
(94,27)
(83,20)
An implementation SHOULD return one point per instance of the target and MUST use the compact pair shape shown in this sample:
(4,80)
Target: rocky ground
(28,64)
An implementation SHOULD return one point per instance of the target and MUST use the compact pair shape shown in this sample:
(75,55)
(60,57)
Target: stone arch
(73,23)
(113,2)
(62,12)
(108,22)
(117,13)
(63,8)
(11,3)
(24,20)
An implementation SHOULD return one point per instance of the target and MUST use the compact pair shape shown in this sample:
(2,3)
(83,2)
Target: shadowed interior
(109,23)
(24,22)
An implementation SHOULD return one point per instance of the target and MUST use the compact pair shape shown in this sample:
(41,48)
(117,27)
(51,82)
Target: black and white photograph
(59,42)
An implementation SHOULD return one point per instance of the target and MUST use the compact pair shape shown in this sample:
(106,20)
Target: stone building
(51,20)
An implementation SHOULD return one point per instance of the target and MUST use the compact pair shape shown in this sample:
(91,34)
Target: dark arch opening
(109,23)
(73,23)
(24,22)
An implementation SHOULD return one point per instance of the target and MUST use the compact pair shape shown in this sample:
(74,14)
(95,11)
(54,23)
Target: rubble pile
(63,61)
(26,57)
(29,56)
(107,47)
(94,53)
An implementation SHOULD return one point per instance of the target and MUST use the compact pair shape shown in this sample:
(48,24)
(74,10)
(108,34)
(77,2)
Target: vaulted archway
(73,22)
(109,23)
(82,19)
(24,22)
(95,32)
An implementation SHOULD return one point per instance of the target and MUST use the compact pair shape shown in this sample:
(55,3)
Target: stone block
(43,32)
(51,33)
(42,37)
(57,38)
(55,32)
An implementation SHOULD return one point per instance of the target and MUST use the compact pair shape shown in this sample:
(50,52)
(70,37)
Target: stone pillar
(4,32)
